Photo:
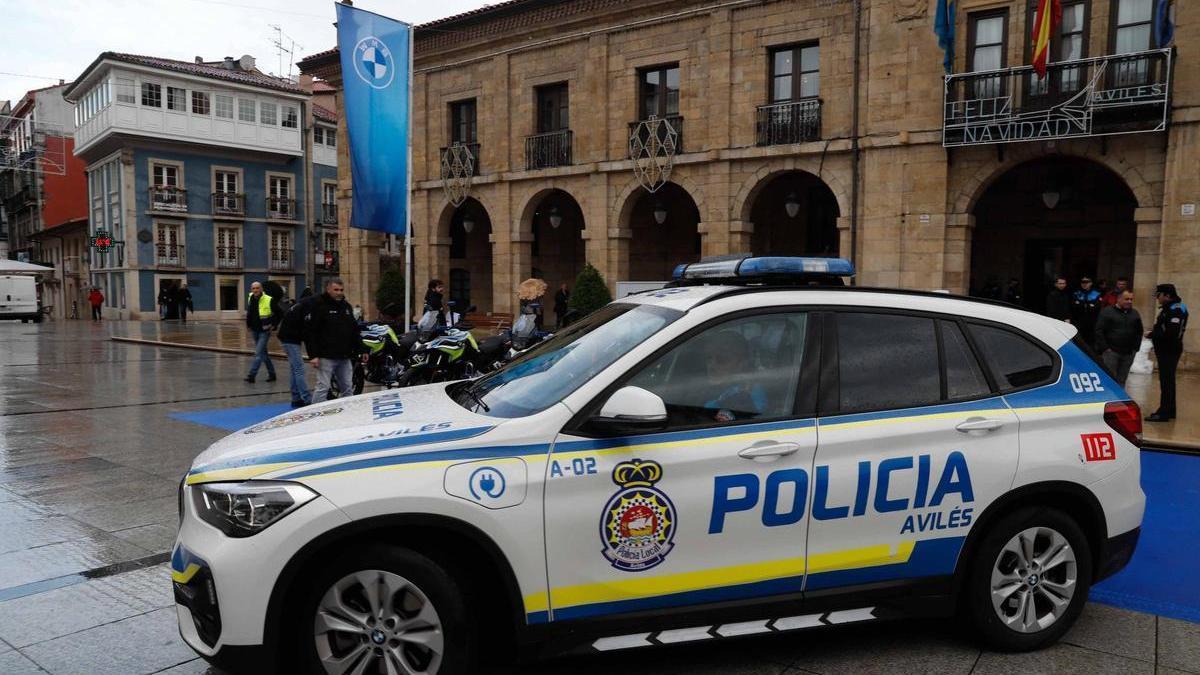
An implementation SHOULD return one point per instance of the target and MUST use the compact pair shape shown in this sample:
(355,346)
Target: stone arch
(533,195)
(447,212)
(743,203)
(622,204)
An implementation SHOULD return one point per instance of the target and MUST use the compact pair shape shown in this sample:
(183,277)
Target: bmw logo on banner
(377,50)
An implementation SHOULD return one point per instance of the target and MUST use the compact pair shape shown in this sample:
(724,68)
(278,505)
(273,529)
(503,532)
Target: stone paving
(90,461)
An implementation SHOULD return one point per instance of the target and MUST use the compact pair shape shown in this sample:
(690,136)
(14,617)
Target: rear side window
(886,361)
(964,379)
(1015,361)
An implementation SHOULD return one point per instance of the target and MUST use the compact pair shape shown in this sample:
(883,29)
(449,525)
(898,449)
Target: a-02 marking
(580,466)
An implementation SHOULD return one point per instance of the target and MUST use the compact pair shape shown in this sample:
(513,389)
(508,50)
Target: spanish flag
(1045,22)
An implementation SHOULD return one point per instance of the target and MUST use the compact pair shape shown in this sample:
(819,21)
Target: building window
(266,114)
(319,135)
(987,45)
(795,73)
(331,138)
(329,193)
(463,122)
(1070,44)
(553,108)
(246,110)
(290,117)
(659,91)
(223,106)
(279,197)
(228,252)
(280,187)
(165,176)
(152,95)
(226,182)
(125,91)
(200,103)
(176,98)
(281,250)
(1132,26)
(169,246)
(229,296)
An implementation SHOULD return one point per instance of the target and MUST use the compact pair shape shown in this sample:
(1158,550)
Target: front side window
(200,103)
(659,91)
(267,114)
(246,110)
(176,98)
(795,73)
(886,361)
(152,95)
(1014,360)
(557,367)
(743,369)
(223,106)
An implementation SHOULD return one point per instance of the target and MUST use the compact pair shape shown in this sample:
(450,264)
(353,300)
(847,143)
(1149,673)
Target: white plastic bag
(428,321)
(1141,362)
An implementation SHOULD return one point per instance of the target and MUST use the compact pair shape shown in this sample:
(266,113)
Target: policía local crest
(638,525)
(288,420)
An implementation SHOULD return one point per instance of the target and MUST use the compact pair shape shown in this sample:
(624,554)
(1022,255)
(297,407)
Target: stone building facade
(803,127)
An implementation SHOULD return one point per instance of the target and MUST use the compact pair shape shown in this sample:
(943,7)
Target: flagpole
(408,253)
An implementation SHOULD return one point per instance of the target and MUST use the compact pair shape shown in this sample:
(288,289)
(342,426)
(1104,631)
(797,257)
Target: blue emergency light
(776,269)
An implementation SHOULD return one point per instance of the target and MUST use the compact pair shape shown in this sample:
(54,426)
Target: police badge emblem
(294,418)
(638,525)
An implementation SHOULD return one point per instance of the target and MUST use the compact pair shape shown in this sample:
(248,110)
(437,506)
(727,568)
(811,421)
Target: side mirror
(630,410)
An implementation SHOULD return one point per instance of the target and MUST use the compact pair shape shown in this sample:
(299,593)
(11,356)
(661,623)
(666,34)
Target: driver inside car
(741,396)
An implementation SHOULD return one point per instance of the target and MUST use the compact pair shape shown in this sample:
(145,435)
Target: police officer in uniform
(1085,308)
(1167,336)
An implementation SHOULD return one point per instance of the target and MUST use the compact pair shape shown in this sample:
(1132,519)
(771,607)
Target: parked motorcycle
(387,354)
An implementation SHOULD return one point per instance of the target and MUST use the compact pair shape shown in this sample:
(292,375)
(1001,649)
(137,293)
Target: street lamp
(555,217)
(660,213)
(468,223)
(1050,198)
(792,205)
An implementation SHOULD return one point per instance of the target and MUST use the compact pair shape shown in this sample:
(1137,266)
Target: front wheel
(359,378)
(1029,579)
(385,610)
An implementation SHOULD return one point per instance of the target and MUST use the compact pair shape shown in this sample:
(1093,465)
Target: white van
(19,298)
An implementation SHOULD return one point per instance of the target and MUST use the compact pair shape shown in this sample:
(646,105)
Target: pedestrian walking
(333,340)
(1058,301)
(562,300)
(262,315)
(1110,298)
(292,333)
(96,300)
(183,299)
(164,301)
(1167,336)
(435,301)
(1085,307)
(1119,335)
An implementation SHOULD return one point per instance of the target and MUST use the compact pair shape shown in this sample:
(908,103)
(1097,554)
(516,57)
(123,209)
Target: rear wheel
(359,378)
(1029,579)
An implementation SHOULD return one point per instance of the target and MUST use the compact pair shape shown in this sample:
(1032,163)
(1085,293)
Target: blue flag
(376,74)
(943,26)
(1164,29)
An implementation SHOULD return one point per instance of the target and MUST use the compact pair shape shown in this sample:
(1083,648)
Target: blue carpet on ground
(232,419)
(1161,578)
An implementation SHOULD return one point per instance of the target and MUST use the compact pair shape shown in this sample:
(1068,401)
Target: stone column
(1149,223)
(520,264)
(619,241)
(956,258)
(741,238)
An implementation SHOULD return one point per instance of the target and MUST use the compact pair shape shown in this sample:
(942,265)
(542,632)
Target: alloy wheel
(1034,579)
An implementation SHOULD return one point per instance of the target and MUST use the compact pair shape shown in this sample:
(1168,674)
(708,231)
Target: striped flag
(1045,22)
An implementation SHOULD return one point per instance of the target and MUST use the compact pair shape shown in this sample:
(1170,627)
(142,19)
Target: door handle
(768,450)
(981,424)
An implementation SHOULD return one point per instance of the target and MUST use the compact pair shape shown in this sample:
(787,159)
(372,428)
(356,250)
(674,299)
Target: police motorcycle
(385,352)
(454,355)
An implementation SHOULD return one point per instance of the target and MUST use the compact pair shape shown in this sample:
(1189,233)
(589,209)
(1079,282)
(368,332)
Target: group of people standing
(324,324)
(174,301)
(1107,321)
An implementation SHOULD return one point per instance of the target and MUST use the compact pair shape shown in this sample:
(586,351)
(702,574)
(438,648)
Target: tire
(358,379)
(335,619)
(1001,563)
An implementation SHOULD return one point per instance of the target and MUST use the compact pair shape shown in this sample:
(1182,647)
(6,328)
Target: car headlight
(247,508)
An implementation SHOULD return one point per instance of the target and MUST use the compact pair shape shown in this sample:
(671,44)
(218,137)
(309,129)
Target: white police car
(739,454)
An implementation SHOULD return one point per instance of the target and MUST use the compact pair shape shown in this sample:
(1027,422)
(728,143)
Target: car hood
(398,419)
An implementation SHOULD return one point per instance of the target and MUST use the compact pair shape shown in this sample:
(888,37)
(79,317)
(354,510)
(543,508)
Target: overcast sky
(45,40)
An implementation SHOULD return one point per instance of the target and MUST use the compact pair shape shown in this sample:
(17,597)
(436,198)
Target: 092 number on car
(1085,382)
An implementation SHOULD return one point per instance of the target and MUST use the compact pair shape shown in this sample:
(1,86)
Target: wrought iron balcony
(544,151)
(475,164)
(229,204)
(676,125)
(168,198)
(170,256)
(281,259)
(329,214)
(281,208)
(786,123)
(1101,96)
(229,257)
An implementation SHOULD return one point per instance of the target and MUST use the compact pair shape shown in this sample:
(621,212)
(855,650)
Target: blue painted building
(203,174)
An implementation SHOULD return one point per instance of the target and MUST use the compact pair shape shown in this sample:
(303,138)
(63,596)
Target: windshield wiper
(469,390)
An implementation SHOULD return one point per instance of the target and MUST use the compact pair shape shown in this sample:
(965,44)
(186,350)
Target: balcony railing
(544,151)
(228,204)
(676,122)
(329,214)
(281,259)
(281,208)
(229,257)
(168,198)
(170,255)
(474,148)
(786,123)
(1116,94)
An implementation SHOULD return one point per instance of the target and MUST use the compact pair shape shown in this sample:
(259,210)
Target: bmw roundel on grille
(638,523)
(374,63)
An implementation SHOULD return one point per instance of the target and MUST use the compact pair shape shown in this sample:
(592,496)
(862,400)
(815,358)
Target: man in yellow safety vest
(262,316)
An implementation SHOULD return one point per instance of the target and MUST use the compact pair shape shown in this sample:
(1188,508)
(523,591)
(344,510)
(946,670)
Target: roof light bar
(775,267)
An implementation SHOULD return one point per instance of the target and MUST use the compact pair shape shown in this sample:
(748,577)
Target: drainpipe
(854,150)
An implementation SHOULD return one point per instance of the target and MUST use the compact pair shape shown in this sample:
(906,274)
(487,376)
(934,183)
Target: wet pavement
(90,459)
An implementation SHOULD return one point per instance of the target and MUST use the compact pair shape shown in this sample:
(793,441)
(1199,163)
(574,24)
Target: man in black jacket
(1118,336)
(332,339)
(1058,302)
(262,315)
(292,332)
(1167,336)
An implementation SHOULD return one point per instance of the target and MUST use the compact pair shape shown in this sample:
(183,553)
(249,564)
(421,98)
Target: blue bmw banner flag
(376,74)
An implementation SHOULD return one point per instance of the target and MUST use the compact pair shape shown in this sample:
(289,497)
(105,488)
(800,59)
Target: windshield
(549,372)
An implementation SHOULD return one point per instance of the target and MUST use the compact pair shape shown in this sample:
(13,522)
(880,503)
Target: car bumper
(1116,553)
